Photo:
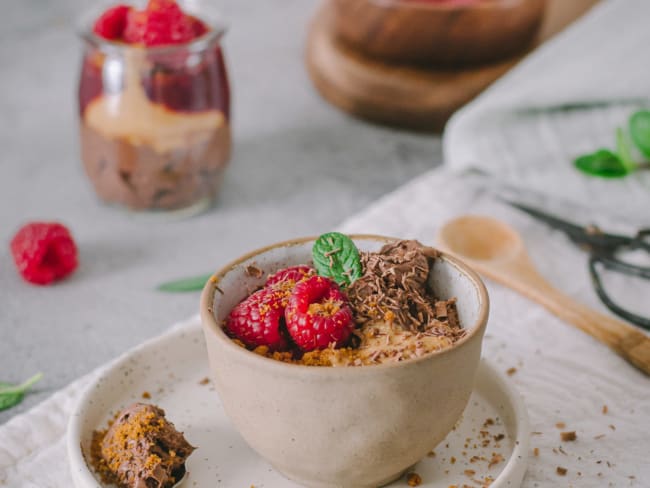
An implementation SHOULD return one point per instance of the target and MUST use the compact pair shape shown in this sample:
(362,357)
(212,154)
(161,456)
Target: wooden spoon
(497,251)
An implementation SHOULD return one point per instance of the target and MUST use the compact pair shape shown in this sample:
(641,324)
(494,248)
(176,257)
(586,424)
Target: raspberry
(198,27)
(162,22)
(136,24)
(293,274)
(259,320)
(44,252)
(111,24)
(318,314)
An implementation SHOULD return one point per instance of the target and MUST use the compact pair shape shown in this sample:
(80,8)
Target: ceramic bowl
(451,32)
(355,427)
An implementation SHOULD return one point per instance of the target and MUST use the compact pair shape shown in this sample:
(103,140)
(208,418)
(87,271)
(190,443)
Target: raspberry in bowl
(344,377)
(154,105)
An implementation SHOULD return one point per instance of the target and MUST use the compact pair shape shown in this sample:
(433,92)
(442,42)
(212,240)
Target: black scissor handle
(616,264)
(641,241)
(643,322)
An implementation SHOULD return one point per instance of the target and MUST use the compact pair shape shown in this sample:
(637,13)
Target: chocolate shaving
(394,284)
(253,271)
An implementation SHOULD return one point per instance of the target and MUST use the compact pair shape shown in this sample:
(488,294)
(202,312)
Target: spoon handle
(629,342)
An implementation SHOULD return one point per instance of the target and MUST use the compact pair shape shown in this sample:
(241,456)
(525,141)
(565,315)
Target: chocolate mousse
(141,449)
(396,314)
(154,125)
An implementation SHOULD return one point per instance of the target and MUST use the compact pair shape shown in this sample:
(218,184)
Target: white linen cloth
(563,101)
(564,375)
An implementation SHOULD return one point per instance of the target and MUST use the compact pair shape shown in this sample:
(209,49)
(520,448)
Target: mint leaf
(603,163)
(12,395)
(183,285)
(624,150)
(640,131)
(335,256)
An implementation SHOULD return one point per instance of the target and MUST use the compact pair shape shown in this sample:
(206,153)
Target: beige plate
(171,368)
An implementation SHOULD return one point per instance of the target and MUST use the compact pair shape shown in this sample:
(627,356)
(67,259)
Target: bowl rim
(210,325)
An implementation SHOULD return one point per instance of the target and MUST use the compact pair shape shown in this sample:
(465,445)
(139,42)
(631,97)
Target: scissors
(603,249)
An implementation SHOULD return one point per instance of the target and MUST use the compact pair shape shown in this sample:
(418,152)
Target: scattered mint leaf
(603,163)
(12,395)
(640,131)
(195,283)
(335,256)
(624,150)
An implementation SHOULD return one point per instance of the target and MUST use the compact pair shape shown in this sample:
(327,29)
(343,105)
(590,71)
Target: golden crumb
(431,454)
(536,452)
(612,427)
(496,459)
(470,472)
(561,471)
(146,395)
(452,460)
(204,381)
(413,479)
(560,425)
(605,409)
(568,436)
(511,371)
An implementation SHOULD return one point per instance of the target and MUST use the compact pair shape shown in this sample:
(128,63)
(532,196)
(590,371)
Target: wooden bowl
(437,32)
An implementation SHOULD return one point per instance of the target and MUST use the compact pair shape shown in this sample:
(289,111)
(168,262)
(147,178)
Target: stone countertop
(299,168)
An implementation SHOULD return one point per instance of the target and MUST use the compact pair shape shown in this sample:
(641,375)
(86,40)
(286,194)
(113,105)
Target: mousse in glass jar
(154,106)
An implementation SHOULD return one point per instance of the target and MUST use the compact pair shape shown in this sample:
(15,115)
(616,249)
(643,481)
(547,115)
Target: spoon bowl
(481,238)
(497,251)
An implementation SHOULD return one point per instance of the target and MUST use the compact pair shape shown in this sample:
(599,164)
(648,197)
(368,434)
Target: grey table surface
(299,168)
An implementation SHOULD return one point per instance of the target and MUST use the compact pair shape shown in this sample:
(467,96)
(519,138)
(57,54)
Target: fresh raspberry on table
(318,314)
(293,274)
(44,252)
(259,320)
(111,24)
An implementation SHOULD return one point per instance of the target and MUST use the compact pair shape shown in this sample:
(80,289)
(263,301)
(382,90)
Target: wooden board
(403,96)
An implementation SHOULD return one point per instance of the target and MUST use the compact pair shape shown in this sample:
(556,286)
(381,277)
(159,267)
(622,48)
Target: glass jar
(155,121)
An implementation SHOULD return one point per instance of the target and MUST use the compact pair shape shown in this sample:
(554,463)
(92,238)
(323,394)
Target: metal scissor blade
(575,232)
(582,236)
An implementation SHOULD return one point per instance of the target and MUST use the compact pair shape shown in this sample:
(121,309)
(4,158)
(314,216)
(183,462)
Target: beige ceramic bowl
(350,427)
(437,32)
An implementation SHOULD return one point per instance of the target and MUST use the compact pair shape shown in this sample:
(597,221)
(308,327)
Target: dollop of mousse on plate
(140,449)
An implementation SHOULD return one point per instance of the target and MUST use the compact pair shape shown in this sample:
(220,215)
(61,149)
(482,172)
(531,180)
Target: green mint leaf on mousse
(195,283)
(603,163)
(640,131)
(12,395)
(335,256)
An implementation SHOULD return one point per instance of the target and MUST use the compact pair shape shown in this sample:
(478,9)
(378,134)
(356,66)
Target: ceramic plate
(490,442)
